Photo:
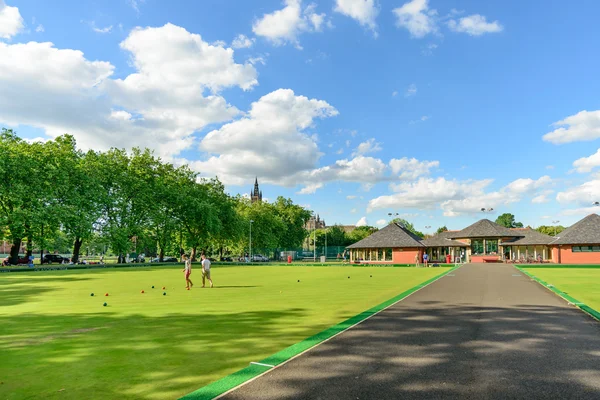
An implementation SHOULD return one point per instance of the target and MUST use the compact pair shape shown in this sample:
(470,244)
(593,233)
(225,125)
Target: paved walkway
(484,332)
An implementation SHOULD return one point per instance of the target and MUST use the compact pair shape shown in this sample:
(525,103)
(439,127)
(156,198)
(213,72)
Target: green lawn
(582,284)
(58,342)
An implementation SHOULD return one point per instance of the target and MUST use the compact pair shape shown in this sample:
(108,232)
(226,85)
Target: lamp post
(392,214)
(250,244)
(555,222)
(315,241)
(596,203)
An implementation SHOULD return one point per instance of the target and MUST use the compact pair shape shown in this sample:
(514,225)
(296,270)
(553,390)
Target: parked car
(54,258)
(226,259)
(259,258)
(165,259)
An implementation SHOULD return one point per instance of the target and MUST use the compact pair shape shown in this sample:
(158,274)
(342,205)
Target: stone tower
(256,194)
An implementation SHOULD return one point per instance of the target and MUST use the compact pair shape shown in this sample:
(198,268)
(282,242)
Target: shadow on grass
(430,351)
(118,357)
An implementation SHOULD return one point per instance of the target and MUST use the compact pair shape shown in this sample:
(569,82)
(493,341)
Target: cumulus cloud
(310,189)
(410,169)
(474,25)
(242,42)
(381,222)
(285,25)
(420,21)
(362,222)
(583,126)
(455,197)
(417,18)
(40,28)
(279,121)
(582,195)
(363,11)
(540,199)
(370,146)
(350,197)
(163,102)
(11,21)
(587,164)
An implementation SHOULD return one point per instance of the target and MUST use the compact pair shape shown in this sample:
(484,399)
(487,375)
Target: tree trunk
(161,255)
(193,255)
(14,251)
(29,246)
(42,246)
(76,248)
(221,252)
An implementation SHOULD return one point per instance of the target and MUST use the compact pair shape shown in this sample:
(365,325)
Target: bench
(490,259)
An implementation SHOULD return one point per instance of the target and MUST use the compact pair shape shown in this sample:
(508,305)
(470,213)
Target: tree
(410,227)
(508,220)
(361,232)
(336,236)
(551,230)
(441,229)
(294,217)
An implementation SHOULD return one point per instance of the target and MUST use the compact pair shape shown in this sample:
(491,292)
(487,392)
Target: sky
(355,109)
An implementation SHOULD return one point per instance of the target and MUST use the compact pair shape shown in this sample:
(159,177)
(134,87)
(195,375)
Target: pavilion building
(483,241)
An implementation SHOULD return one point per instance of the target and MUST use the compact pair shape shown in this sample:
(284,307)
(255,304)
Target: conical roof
(529,237)
(392,236)
(443,239)
(484,229)
(586,231)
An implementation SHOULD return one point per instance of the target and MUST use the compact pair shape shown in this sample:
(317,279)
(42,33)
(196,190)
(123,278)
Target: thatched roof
(392,236)
(484,229)
(443,239)
(529,237)
(586,231)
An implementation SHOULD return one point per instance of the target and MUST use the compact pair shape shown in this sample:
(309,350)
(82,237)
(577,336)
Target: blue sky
(354,108)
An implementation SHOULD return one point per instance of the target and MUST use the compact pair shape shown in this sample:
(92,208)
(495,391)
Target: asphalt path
(485,331)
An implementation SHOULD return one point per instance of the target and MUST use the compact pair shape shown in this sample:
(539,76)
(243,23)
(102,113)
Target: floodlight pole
(314,241)
(250,244)
(555,222)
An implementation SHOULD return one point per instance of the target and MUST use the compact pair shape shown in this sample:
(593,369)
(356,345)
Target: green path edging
(229,382)
(563,266)
(585,308)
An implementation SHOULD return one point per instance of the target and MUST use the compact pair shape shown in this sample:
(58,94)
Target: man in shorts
(425,260)
(206,270)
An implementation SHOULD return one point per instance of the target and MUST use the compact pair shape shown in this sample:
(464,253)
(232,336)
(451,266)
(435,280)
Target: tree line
(52,193)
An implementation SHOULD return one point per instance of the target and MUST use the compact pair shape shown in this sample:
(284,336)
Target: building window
(477,246)
(388,254)
(581,249)
(491,247)
(380,254)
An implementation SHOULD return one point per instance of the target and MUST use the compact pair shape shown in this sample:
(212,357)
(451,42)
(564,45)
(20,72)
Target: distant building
(256,194)
(315,223)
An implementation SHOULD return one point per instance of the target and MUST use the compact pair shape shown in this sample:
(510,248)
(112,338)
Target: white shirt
(188,264)
(206,264)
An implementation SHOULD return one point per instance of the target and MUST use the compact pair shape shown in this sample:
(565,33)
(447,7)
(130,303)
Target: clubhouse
(483,241)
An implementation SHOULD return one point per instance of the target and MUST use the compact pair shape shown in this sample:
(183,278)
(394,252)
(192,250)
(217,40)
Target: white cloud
(285,25)
(417,18)
(257,60)
(242,42)
(310,188)
(106,29)
(381,222)
(583,195)
(528,185)
(11,21)
(394,93)
(363,11)
(40,28)
(273,122)
(350,197)
(428,50)
(165,96)
(409,169)
(340,151)
(587,164)
(362,222)
(456,197)
(540,199)
(353,211)
(549,166)
(135,4)
(583,126)
(411,90)
(474,25)
(370,146)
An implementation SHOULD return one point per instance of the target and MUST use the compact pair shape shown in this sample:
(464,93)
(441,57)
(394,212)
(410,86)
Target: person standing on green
(206,270)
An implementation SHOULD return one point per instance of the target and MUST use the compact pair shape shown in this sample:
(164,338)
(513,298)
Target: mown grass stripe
(587,309)
(230,382)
